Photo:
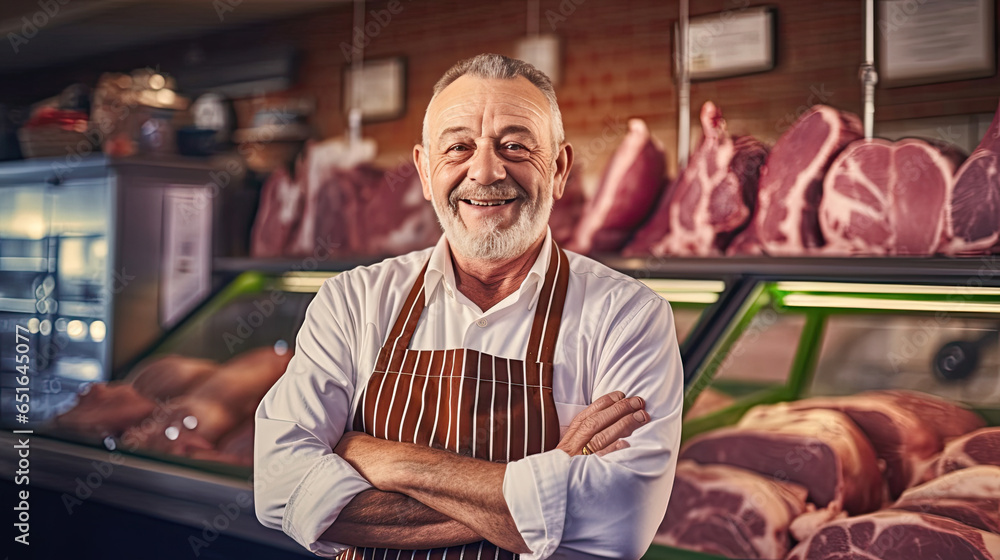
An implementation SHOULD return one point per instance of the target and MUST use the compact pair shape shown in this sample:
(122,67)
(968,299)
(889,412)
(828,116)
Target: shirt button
(482,322)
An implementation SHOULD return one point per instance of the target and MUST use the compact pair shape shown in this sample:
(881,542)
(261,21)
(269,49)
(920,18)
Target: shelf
(973,271)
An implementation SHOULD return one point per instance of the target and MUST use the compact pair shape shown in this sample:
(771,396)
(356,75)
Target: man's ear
(564,162)
(420,160)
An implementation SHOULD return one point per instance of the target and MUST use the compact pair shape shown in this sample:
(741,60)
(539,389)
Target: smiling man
(493,395)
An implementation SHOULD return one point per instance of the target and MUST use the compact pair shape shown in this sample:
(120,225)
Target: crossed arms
(429,498)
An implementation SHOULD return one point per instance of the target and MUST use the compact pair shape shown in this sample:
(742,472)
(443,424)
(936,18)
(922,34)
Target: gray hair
(499,67)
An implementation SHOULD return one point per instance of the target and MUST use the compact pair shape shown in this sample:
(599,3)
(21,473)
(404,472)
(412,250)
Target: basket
(53,140)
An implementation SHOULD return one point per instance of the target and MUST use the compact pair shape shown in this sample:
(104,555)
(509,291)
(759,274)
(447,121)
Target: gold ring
(586,449)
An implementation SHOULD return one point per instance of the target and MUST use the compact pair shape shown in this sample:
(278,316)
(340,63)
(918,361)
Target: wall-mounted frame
(731,43)
(383,87)
(935,41)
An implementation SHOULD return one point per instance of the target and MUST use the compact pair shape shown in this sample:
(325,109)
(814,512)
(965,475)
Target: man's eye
(457,148)
(513,146)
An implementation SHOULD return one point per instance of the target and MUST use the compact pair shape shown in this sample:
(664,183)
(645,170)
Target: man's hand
(603,425)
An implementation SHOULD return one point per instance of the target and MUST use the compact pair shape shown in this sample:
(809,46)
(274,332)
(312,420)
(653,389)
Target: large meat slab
(791,181)
(888,198)
(981,447)
(904,427)
(970,496)
(822,450)
(632,184)
(716,194)
(974,209)
(718,509)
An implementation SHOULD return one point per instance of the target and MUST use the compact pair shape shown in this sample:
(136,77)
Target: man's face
(491,171)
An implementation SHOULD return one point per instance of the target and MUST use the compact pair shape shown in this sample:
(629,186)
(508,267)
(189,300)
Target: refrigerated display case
(842,326)
(97,257)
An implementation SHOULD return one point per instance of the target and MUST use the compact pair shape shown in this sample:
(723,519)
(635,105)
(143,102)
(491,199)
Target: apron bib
(465,401)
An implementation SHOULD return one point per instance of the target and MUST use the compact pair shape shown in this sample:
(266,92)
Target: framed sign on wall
(731,43)
(382,90)
(932,41)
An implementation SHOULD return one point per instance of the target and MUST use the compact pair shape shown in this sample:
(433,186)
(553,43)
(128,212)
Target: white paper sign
(185,276)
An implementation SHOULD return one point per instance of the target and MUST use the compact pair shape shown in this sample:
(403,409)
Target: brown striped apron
(466,401)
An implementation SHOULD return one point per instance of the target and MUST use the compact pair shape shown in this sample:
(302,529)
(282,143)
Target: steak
(901,432)
(970,496)
(631,185)
(278,215)
(169,376)
(791,181)
(973,224)
(898,535)
(717,509)
(822,450)
(716,193)
(104,409)
(888,198)
(981,447)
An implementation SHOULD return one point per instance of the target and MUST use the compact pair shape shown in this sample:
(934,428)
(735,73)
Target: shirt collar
(441,273)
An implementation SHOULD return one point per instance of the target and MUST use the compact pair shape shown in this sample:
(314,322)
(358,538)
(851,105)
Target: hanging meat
(632,183)
(888,198)
(791,181)
(715,195)
(973,211)
(718,509)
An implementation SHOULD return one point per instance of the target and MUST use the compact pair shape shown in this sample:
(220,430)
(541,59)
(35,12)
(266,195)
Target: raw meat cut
(948,419)
(278,215)
(566,211)
(718,509)
(631,185)
(981,447)
(888,198)
(791,181)
(327,202)
(655,228)
(716,193)
(974,208)
(746,243)
(199,419)
(970,496)
(395,219)
(823,450)
(169,376)
(104,410)
(896,424)
(898,535)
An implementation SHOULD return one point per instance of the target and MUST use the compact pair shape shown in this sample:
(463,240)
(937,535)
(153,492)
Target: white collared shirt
(616,335)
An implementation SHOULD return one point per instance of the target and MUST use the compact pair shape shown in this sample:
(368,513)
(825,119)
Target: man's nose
(486,166)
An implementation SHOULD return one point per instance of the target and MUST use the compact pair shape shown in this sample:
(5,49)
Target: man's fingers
(616,446)
(583,429)
(620,429)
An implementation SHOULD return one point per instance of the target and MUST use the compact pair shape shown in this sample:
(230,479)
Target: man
(494,394)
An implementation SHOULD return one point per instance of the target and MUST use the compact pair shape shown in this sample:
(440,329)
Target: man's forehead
(472,98)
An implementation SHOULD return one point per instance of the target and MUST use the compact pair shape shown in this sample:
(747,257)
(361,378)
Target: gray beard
(493,241)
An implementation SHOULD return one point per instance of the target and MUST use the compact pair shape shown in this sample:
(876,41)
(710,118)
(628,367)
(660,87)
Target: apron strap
(406,321)
(548,309)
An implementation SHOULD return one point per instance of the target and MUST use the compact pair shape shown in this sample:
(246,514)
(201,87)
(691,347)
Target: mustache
(500,189)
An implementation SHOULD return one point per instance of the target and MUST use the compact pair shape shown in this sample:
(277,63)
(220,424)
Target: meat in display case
(192,397)
(846,408)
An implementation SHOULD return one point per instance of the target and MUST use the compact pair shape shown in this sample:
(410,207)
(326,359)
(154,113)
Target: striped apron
(466,401)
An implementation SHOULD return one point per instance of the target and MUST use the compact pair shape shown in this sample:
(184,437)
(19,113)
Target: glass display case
(82,251)
(817,331)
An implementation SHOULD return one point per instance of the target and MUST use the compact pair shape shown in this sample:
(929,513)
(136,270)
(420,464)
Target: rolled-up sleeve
(300,485)
(610,506)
